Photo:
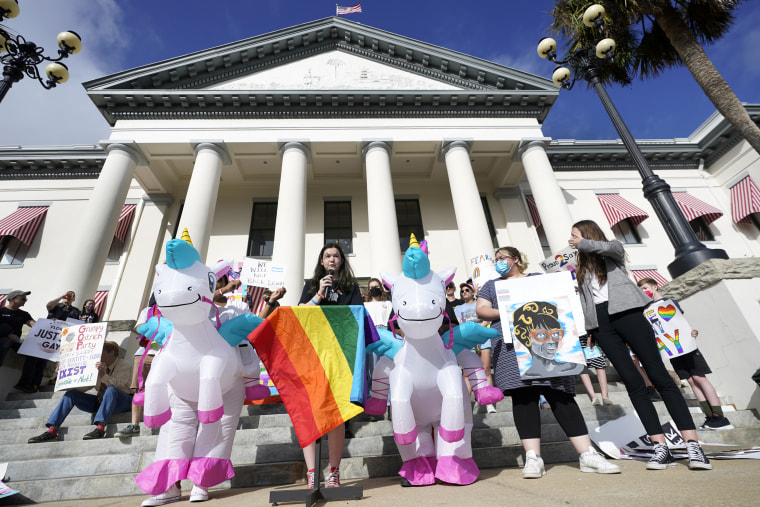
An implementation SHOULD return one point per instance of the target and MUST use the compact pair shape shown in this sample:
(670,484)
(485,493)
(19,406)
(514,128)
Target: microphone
(329,290)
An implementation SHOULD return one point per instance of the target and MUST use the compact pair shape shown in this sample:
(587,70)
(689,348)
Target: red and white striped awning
(23,223)
(533,210)
(693,208)
(745,200)
(617,209)
(2,299)
(125,221)
(638,274)
(100,302)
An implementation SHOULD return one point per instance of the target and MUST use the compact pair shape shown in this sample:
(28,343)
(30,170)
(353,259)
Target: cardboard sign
(672,332)
(482,269)
(564,260)
(626,435)
(44,339)
(81,348)
(262,273)
(540,312)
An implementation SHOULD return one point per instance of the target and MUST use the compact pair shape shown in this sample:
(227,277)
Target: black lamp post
(690,252)
(21,57)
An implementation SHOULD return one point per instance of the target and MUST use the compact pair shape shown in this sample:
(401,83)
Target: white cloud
(65,114)
(525,62)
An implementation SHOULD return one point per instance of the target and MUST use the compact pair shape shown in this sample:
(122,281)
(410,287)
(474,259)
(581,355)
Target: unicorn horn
(186,236)
(413,241)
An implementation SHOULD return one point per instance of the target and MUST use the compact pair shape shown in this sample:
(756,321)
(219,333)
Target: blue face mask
(503,268)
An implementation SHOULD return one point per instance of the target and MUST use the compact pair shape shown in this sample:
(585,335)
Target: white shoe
(596,402)
(592,461)
(198,494)
(534,466)
(171,495)
(490,409)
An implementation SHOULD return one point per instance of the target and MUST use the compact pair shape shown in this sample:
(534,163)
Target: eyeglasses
(466,290)
(501,258)
(542,335)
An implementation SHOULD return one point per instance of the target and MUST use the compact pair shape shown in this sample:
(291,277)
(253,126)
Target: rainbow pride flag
(316,358)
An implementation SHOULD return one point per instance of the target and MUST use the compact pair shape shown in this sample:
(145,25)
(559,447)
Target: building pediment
(382,74)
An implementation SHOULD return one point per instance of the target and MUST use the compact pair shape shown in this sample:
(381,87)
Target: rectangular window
(338,225)
(261,236)
(409,221)
(117,248)
(626,233)
(489,221)
(12,251)
(701,229)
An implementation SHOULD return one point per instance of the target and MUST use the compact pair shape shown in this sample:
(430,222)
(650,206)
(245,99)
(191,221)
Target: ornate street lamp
(21,57)
(585,63)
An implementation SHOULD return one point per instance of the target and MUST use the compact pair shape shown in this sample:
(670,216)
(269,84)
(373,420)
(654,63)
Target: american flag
(348,10)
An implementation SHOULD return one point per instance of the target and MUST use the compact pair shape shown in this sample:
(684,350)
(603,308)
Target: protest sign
(482,269)
(626,435)
(539,315)
(672,332)
(262,273)
(564,260)
(81,347)
(44,339)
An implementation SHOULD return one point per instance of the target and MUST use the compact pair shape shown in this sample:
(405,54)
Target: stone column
(381,210)
(471,219)
(88,250)
(550,201)
(200,201)
(290,227)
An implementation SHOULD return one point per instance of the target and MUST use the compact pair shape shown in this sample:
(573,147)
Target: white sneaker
(592,461)
(198,494)
(490,409)
(534,466)
(171,495)
(596,402)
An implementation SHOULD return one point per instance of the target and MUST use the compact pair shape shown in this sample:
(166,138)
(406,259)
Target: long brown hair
(592,262)
(383,294)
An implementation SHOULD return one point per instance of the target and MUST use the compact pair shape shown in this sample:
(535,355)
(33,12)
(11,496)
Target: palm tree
(654,35)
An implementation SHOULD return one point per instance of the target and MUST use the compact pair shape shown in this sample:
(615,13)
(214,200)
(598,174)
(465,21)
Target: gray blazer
(623,294)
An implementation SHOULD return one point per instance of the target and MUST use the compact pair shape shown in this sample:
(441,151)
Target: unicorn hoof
(257,392)
(154,421)
(210,416)
(488,395)
(418,471)
(375,406)
(456,470)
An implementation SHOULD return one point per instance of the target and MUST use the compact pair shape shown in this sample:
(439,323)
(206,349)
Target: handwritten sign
(564,260)
(482,269)
(672,332)
(81,348)
(44,339)
(262,273)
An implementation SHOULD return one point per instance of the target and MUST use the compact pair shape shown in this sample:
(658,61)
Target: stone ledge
(709,273)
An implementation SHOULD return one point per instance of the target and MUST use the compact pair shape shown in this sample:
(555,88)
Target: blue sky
(123,34)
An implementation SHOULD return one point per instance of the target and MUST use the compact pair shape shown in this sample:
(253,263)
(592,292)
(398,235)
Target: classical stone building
(332,130)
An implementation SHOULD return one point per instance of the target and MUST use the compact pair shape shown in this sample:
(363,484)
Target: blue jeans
(114,401)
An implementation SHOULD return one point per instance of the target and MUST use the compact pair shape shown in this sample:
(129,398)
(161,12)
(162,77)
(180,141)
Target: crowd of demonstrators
(12,321)
(598,363)
(693,367)
(113,396)
(612,307)
(558,391)
(333,283)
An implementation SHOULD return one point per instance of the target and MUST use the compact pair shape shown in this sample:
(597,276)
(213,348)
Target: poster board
(482,269)
(564,260)
(262,273)
(81,348)
(672,332)
(545,304)
(626,435)
(44,339)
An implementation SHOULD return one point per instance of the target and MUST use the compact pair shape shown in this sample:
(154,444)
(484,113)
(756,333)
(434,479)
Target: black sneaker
(133,430)
(697,458)
(45,437)
(94,434)
(26,388)
(662,458)
(717,422)
(705,425)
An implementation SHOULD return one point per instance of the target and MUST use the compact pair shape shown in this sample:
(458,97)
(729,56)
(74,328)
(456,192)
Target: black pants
(528,416)
(631,328)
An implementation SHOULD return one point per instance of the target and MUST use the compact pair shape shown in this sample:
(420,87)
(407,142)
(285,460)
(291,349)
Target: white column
(550,201)
(381,210)
(290,227)
(471,219)
(88,250)
(200,201)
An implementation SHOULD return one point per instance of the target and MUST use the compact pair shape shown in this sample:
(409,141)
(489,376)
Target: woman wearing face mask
(88,312)
(558,391)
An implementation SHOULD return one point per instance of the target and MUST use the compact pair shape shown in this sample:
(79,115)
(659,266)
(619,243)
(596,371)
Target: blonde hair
(510,251)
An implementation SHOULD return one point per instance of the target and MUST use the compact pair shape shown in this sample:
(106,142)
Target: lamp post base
(690,260)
